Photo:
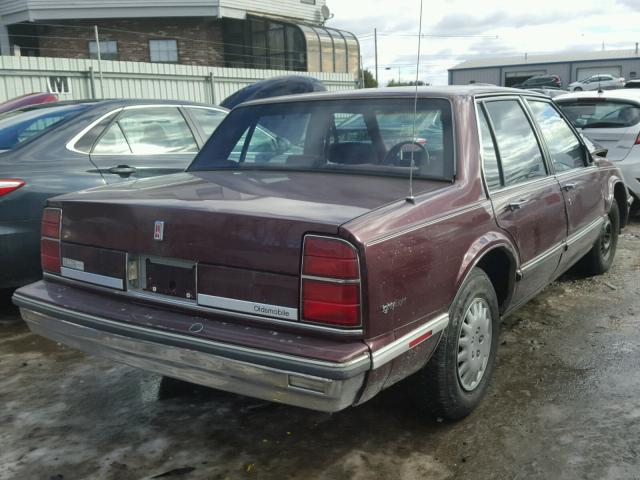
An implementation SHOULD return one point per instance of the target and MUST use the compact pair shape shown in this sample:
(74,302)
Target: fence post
(92,82)
(212,83)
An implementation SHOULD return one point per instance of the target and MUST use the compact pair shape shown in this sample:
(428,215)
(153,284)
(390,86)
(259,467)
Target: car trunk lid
(618,141)
(253,220)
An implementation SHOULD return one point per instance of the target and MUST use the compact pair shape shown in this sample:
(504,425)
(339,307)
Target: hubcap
(607,238)
(474,344)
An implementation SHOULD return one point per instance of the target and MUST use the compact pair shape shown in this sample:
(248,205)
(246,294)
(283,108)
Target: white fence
(76,79)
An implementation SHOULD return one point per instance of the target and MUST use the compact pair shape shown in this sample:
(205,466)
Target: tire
(441,388)
(577,89)
(601,256)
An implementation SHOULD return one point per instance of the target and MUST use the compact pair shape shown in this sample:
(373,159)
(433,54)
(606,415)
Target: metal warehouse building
(508,71)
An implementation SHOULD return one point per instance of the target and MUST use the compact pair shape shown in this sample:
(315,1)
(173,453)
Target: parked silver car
(597,82)
(612,120)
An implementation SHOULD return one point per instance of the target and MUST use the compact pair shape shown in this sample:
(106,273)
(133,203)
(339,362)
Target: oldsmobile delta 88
(290,262)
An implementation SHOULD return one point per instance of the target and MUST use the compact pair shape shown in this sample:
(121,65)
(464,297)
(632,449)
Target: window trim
(177,60)
(71,144)
(89,42)
(520,100)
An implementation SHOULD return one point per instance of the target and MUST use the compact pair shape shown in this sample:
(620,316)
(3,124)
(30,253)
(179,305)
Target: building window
(165,51)
(262,43)
(108,50)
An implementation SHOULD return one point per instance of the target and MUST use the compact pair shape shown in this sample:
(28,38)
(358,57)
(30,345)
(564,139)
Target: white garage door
(588,71)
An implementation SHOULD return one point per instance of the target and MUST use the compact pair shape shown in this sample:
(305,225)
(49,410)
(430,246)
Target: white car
(597,82)
(612,120)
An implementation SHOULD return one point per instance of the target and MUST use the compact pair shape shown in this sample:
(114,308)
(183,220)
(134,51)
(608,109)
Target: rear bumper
(630,169)
(298,381)
(19,253)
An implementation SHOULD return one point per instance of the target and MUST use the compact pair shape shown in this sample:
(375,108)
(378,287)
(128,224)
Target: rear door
(145,141)
(580,179)
(526,198)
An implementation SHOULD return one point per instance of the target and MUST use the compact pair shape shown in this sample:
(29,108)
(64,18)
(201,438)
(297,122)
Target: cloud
(632,4)
(466,24)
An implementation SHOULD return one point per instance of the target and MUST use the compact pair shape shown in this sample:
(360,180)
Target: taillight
(330,282)
(50,242)
(8,186)
(637,140)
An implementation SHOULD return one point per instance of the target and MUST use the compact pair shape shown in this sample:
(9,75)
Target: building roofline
(497,64)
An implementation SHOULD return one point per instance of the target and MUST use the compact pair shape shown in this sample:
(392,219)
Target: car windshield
(601,114)
(20,125)
(369,136)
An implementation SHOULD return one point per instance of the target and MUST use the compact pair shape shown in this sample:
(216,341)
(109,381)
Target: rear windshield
(370,136)
(601,114)
(20,125)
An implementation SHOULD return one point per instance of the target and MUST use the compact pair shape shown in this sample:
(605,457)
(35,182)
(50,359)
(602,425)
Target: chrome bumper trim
(191,305)
(409,341)
(276,385)
(93,278)
(255,308)
(263,358)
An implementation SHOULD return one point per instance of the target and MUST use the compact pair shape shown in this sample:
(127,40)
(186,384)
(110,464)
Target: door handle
(513,206)
(569,186)
(123,170)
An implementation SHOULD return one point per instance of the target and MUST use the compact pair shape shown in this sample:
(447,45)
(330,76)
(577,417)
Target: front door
(145,141)
(579,179)
(527,200)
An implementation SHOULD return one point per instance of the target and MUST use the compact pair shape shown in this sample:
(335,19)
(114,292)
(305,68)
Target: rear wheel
(600,257)
(456,378)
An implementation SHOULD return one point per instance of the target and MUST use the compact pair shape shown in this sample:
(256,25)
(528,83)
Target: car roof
(616,94)
(117,103)
(450,92)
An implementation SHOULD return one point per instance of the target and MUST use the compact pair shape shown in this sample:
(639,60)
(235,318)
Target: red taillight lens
(332,296)
(50,242)
(338,293)
(637,140)
(50,255)
(8,186)
(51,223)
(326,257)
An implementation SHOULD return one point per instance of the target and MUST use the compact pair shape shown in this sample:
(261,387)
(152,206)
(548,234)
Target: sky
(462,29)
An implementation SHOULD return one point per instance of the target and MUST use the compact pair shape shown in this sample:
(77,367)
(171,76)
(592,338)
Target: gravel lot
(564,403)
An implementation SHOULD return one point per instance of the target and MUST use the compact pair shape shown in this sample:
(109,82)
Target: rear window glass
(372,136)
(18,126)
(601,114)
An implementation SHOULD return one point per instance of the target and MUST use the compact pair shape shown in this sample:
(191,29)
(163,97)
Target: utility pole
(95,29)
(375,42)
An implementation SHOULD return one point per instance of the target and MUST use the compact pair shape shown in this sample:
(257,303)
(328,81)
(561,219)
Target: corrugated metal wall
(477,75)
(22,75)
(568,71)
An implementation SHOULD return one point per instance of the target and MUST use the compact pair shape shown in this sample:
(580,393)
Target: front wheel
(600,257)
(577,89)
(456,378)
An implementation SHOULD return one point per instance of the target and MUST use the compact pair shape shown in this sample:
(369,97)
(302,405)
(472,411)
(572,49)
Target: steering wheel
(391,158)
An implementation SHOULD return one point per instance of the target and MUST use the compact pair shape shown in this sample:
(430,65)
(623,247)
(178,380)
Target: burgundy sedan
(291,263)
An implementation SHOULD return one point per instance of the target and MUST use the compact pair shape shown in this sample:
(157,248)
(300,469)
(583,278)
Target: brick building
(285,35)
